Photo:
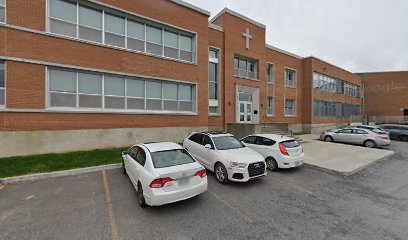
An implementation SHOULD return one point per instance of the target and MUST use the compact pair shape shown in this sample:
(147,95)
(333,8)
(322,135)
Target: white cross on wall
(247,36)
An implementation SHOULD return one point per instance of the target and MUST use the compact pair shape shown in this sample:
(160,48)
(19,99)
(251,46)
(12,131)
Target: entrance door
(245,107)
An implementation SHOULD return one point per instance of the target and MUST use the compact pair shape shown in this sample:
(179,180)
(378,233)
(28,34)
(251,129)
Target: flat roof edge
(238,15)
(216,27)
(283,51)
(192,7)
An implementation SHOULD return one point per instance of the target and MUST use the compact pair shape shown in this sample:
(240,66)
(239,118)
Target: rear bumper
(291,162)
(383,142)
(159,197)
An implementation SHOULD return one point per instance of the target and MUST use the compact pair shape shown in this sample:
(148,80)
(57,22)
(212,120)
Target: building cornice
(191,6)
(238,15)
(283,51)
(216,27)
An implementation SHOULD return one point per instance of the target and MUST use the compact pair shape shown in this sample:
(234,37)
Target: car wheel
(140,197)
(271,164)
(328,139)
(221,173)
(369,144)
(123,167)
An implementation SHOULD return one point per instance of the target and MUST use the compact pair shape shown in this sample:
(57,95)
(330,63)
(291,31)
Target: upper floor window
(270,73)
(270,109)
(245,68)
(90,90)
(290,107)
(290,78)
(326,83)
(213,81)
(98,24)
(2,84)
(3,11)
(351,90)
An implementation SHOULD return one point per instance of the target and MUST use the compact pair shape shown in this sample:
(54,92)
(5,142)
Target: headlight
(237,165)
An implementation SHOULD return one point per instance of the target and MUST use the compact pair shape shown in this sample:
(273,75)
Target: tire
(140,197)
(271,164)
(369,144)
(221,173)
(328,139)
(123,167)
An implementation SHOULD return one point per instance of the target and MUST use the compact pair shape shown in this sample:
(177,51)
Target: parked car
(278,151)
(163,173)
(356,136)
(376,129)
(397,132)
(223,154)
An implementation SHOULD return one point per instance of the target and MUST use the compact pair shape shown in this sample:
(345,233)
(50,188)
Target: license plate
(184,181)
(297,164)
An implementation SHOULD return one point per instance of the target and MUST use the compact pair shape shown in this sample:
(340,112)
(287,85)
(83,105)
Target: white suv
(223,154)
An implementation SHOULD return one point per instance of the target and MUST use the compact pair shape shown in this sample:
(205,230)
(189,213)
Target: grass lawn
(16,166)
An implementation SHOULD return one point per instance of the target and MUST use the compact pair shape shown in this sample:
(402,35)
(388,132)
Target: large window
(290,107)
(327,109)
(290,78)
(245,68)
(213,81)
(333,85)
(3,11)
(351,90)
(97,24)
(270,109)
(89,90)
(270,73)
(2,85)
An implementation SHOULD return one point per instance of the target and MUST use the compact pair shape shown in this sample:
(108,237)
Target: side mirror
(208,146)
(124,153)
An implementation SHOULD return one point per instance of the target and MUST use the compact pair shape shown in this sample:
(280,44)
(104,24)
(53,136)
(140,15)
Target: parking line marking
(247,219)
(2,186)
(294,186)
(110,208)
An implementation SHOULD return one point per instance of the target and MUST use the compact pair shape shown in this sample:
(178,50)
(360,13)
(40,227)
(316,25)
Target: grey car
(398,132)
(356,136)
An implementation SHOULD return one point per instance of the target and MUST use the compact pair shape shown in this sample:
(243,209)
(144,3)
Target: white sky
(358,35)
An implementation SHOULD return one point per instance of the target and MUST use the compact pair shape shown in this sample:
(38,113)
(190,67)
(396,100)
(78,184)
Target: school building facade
(85,74)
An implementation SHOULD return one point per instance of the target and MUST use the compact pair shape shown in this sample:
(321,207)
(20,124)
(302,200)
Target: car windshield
(171,158)
(227,142)
(290,144)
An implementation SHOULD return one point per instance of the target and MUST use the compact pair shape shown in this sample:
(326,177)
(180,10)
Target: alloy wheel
(219,172)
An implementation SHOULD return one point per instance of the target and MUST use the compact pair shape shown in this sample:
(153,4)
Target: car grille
(255,169)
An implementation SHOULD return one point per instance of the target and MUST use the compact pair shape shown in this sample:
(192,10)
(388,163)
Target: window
(197,138)
(270,110)
(290,78)
(2,84)
(207,140)
(264,141)
(97,24)
(171,158)
(141,157)
(90,90)
(213,81)
(270,72)
(245,68)
(345,131)
(3,11)
(249,140)
(290,107)
(133,152)
(327,109)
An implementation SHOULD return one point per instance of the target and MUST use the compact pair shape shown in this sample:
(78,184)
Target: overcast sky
(358,35)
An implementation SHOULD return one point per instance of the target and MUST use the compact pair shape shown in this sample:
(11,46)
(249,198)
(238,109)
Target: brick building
(82,74)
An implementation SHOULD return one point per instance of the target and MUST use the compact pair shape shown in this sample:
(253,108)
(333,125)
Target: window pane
(186,43)
(170,91)
(213,72)
(2,2)
(114,39)
(134,44)
(114,86)
(63,28)
(115,102)
(154,35)
(236,63)
(213,54)
(242,64)
(114,24)
(185,93)
(213,91)
(90,34)
(170,39)
(135,103)
(135,88)
(170,105)
(136,30)
(63,81)
(185,55)
(152,104)
(62,100)
(90,101)
(2,74)
(63,10)
(90,83)
(154,90)
(2,14)
(2,96)
(172,52)
(90,17)
(186,106)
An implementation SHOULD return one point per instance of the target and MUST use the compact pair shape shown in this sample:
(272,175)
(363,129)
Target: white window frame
(216,102)
(128,16)
(273,77)
(294,109)
(237,71)
(287,81)
(193,86)
(5,12)
(268,107)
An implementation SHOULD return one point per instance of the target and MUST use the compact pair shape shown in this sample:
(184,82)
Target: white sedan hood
(241,155)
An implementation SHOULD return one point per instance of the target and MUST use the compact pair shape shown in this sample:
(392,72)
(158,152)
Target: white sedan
(223,154)
(163,173)
(278,151)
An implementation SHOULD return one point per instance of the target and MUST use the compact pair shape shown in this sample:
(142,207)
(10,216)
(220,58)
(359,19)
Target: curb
(346,174)
(71,172)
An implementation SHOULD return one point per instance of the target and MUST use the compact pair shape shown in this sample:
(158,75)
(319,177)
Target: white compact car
(278,151)
(223,154)
(163,173)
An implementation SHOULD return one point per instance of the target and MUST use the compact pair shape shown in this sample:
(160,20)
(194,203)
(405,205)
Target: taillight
(283,150)
(384,137)
(159,183)
(201,173)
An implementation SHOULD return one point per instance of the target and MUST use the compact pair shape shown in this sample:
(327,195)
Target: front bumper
(158,197)
(245,174)
(291,162)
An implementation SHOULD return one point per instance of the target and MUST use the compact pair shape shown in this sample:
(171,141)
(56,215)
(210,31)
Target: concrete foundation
(20,143)
(318,128)
(240,130)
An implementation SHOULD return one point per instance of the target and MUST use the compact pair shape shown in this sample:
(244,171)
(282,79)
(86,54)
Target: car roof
(216,134)
(275,137)
(161,146)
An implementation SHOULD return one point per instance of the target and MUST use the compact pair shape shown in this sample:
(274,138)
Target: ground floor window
(93,91)
(270,106)
(290,107)
(2,84)
(327,109)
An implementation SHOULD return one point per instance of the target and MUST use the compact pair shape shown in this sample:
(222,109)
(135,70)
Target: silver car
(356,136)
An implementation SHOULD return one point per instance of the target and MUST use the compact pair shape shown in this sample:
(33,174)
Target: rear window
(290,144)
(171,158)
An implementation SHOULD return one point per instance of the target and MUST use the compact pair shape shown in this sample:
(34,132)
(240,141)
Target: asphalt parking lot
(302,203)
